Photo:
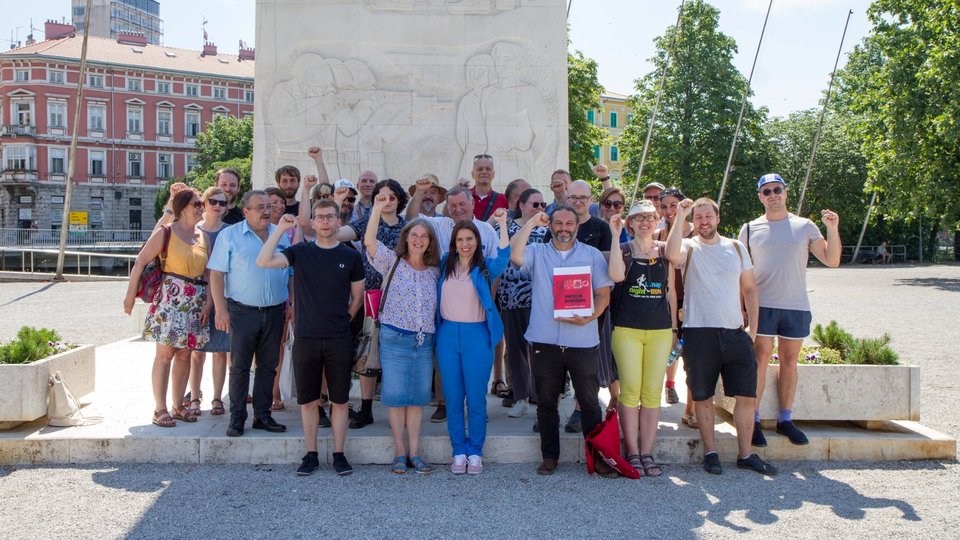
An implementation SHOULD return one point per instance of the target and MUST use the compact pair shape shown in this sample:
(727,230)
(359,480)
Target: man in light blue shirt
(561,344)
(250,303)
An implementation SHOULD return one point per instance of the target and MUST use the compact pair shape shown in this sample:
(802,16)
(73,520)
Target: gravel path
(917,305)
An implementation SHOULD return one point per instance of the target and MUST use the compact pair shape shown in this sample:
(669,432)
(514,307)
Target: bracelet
(674,330)
(604,179)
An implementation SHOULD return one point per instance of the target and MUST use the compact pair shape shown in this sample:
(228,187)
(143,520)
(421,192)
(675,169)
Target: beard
(707,234)
(564,237)
(427,206)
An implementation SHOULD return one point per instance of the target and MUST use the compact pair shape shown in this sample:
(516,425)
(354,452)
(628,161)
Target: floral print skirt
(174,316)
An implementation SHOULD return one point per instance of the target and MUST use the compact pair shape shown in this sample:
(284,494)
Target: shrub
(833,337)
(873,351)
(31,344)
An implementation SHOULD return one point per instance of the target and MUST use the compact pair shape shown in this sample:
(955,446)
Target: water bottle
(675,353)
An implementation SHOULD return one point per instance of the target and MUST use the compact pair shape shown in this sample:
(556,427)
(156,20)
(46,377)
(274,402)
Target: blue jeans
(407,368)
(465,359)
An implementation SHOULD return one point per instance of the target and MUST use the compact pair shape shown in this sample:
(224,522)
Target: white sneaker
(459,465)
(474,464)
(519,409)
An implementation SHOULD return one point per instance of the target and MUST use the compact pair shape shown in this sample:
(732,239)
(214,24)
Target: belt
(195,281)
(258,308)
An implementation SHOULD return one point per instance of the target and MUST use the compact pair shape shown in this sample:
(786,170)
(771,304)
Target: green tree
(901,85)
(583,94)
(225,142)
(697,117)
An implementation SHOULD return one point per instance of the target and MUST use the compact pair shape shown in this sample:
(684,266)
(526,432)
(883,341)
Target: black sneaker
(791,432)
(575,423)
(341,465)
(754,462)
(324,419)
(361,419)
(439,415)
(351,412)
(711,463)
(309,464)
(758,439)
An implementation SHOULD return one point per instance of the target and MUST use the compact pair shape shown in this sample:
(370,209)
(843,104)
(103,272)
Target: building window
(58,160)
(135,201)
(163,87)
(614,153)
(219,92)
(164,165)
(220,114)
(629,118)
(613,119)
(596,152)
(23,113)
(22,75)
(133,85)
(590,116)
(164,122)
(248,96)
(193,124)
(55,76)
(134,120)
(191,163)
(97,160)
(19,158)
(134,164)
(192,90)
(95,81)
(56,114)
(95,116)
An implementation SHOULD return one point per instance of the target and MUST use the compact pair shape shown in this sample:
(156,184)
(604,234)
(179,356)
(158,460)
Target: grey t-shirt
(712,285)
(780,250)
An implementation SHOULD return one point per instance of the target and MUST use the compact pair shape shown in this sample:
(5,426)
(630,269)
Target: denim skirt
(407,368)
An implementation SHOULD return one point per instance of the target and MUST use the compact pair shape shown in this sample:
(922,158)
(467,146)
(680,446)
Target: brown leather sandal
(195,409)
(162,418)
(185,415)
(216,407)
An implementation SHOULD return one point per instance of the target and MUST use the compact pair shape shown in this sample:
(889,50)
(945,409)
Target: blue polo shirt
(235,254)
(539,260)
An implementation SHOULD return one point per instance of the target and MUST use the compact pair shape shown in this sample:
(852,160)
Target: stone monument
(407,87)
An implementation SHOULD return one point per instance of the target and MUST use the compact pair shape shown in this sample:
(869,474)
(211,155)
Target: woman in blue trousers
(468,328)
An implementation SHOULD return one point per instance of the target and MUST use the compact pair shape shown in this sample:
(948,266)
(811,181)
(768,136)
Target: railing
(97,238)
(17,129)
(45,260)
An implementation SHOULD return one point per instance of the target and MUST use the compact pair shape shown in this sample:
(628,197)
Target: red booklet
(572,292)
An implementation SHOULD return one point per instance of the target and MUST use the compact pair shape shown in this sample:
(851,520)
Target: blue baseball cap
(768,179)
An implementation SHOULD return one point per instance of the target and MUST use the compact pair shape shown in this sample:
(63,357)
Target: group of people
(469,283)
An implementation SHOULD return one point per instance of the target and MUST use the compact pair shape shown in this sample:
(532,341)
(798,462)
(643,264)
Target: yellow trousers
(641,357)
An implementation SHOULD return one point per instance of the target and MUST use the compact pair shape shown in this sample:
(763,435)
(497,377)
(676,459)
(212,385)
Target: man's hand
(500,216)
(315,153)
(684,209)
(380,201)
(541,219)
(286,223)
(340,194)
(222,320)
(578,320)
(616,226)
(423,184)
(463,182)
(830,218)
(309,181)
(601,171)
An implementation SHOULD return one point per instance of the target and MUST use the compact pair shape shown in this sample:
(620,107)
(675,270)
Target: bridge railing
(79,263)
(50,238)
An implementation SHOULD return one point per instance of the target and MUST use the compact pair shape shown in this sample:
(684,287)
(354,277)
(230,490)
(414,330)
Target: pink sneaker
(474,464)
(459,465)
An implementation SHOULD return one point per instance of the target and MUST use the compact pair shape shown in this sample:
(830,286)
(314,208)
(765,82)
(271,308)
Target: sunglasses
(354,199)
(198,205)
(613,204)
(482,156)
(390,198)
(217,202)
(775,191)
(538,204)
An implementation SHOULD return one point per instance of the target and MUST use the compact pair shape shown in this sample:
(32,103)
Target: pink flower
(189,290)
(191,341)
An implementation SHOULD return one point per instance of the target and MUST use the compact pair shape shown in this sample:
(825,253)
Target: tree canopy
(583,94)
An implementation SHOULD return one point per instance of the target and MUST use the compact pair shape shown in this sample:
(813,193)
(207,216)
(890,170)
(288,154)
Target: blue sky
(792,71)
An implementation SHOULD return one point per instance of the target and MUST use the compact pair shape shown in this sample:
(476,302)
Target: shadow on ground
(944,284)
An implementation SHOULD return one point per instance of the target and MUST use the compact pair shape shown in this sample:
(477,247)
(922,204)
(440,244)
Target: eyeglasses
(578,198)
(325,217)
(482,156)
(198,205)
(652,197)
(538,204)
(644,217)
(354,199)
(775,191)
(259,207)
(217,202)
(613,204)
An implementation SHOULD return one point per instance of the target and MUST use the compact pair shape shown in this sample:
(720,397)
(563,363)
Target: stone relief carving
(457,7)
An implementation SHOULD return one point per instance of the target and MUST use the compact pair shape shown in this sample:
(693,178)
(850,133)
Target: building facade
(143,106)
(613,115)
(110,18)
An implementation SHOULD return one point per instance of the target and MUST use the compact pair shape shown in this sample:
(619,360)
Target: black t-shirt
(292,209)
(322,279)
(640,300)
(233,215)
(594,232)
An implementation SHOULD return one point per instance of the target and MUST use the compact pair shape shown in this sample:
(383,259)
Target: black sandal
(650,465)
(494,389)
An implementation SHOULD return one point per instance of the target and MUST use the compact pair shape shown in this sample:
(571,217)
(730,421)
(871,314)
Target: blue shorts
(784,323)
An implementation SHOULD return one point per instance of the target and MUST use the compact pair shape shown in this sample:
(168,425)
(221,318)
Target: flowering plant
(32,344)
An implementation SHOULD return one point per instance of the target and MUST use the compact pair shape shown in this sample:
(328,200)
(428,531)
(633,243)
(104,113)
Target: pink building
(143,106)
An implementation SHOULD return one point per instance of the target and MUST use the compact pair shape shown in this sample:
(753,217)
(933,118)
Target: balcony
(14,130)
(18,175)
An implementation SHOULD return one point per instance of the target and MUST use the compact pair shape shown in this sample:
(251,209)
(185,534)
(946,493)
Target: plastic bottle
(675,353)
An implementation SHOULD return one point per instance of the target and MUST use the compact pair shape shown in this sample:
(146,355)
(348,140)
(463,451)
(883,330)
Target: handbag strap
(386,287)
(162,257)
(490,202)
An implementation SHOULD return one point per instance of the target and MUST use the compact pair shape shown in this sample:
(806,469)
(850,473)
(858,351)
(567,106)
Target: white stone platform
(123,398)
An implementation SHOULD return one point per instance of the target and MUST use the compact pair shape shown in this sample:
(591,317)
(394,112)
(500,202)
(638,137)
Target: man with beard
(561,345)
(250,304)
(717,272)
(779,244)
(288,180)
(229,181)
(432,198)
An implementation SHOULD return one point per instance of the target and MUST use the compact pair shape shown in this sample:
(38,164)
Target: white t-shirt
(712,286)
(780,250)
(443,227)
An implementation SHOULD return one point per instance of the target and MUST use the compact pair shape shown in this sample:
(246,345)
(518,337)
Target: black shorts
(709,353)
(314,358)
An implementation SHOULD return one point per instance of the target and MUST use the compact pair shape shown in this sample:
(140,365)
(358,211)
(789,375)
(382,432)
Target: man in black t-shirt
(229,181)
(288,180)
(328,290)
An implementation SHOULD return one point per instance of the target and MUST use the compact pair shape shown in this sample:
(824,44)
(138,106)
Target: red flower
(191,341)
(189,290)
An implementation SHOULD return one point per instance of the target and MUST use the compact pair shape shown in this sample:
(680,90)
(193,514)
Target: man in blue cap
(779,243)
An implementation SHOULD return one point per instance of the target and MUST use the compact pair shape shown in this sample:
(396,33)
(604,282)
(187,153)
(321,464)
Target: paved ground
(917,305)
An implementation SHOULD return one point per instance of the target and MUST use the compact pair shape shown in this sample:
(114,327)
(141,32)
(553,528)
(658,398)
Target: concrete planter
(23,387)
(843,392)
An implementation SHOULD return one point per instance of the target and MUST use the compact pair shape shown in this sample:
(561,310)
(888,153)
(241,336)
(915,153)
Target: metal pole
(65,222)
(920,238)
(863,229)
(823,112)
(656,105)
(743,109)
